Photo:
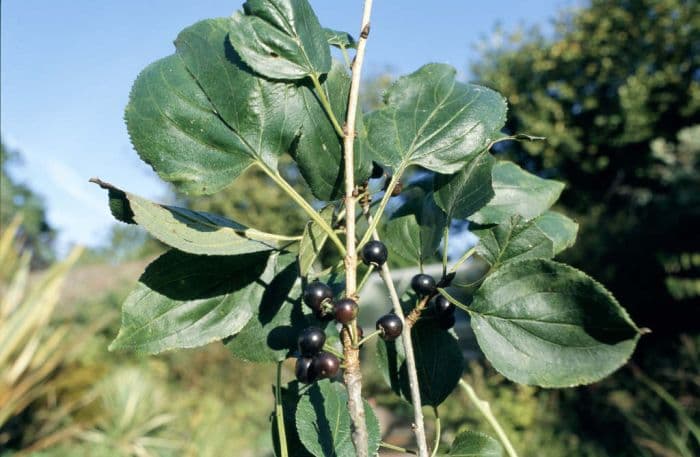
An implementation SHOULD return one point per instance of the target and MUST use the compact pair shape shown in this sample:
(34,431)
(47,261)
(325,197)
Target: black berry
(316,293)
(303,370)
(377,171)
(423,284)
(311,341)
(390,326)
(345,310)
(374,253)
(443,306)
(325,365)
(446,321)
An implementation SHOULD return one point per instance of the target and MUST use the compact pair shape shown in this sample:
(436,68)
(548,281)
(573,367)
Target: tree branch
(352,374)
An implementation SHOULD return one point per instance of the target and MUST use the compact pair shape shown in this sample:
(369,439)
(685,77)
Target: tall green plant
(242,92)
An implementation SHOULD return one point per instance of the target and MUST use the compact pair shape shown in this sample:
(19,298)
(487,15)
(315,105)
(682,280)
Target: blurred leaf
(545,323)
(281,39)
(517,193)
(434,121)
(463,193)
(475,444)
(324,425)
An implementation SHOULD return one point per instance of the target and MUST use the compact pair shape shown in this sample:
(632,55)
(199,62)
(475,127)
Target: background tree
(616,91)
(18,199)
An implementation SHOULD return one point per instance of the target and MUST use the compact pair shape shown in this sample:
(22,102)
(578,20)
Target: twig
(352,373)
(385,273)
(397,448)
(485,409)
(279,413)
(438,430)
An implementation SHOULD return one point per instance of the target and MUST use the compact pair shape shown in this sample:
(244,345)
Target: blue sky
(67,66)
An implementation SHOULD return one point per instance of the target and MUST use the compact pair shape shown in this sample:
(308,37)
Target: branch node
(365,31)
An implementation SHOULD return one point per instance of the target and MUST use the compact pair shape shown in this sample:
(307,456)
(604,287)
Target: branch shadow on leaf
(181,276)
(325,435)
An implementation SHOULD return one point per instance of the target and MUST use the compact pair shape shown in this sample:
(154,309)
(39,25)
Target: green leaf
(545,323)
(462,194)
(271,334)
(184,300)
(340,39)
(475,444)
(559,228)
(194,232)
(439,363)
(414,231)
(513,239)
(175,129)
(312,241)
(517,193)
(434,121)
(281,39)
(200,117)
(319,150)
(290,398)
(265,115)
(324,423)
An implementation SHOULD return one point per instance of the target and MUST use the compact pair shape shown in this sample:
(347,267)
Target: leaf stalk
(323,98)
(304,205)
(279,413)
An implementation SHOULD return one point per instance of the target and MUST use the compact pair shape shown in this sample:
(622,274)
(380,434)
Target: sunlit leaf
(281,39)
(544,323)
(434,121)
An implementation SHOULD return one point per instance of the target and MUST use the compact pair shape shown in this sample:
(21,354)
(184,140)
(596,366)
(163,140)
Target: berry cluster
(425,286)
(313,363)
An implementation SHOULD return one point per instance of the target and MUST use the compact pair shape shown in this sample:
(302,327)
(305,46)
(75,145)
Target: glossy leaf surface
(281,39)
(545,323)
(434,121)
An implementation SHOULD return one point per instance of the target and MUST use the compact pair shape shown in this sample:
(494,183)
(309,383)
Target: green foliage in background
(616,92)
